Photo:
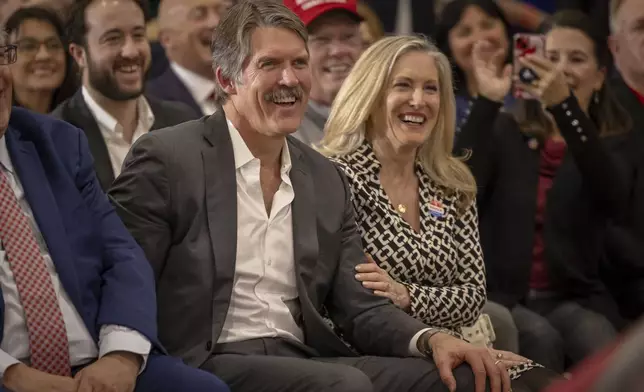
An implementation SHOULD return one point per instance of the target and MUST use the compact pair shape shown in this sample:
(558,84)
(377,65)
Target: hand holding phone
(526,44)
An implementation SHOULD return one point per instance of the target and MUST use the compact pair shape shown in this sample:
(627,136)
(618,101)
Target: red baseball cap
(308,10)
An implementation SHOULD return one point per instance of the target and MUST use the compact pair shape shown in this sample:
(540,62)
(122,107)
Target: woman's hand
(375,278)
(551,87)
(507,359)
(492,78)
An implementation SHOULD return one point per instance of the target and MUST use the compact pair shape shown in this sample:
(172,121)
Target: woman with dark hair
(463,23)
(42,73)
(550,181)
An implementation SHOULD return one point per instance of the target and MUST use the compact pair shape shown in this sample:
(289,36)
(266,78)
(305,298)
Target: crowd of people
(288,195)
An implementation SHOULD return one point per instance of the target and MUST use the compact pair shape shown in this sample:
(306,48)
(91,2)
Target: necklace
(402,208)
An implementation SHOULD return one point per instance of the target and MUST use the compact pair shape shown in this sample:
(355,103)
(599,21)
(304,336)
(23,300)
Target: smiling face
(335,44)
(186,31)
(117,52)
(475,25)
(575,52)
(271,96)
(412,101)
(40,64)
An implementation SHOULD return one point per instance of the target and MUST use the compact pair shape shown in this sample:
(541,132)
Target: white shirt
(199,87)
(265,288)
(264,296)
(112,131)
(15,341)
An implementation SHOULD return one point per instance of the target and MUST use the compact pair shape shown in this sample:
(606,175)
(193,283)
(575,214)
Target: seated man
(251,234)
(78,307)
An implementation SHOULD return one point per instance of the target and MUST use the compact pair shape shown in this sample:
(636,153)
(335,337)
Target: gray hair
(231,38)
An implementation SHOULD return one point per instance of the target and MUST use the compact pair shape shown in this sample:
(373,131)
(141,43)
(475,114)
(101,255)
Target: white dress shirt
(112,131)
(199,87)
(15,340)
(264,296)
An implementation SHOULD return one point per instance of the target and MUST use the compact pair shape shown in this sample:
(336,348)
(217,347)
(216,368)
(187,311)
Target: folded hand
(115,372)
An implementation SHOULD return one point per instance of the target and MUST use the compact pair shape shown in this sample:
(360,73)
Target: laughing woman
(391,131)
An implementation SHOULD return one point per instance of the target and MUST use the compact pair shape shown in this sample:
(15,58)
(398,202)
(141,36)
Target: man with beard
(185,32)
(334,45)
(108,42)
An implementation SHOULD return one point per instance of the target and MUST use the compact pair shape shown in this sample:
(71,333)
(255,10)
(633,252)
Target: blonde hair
(354,111)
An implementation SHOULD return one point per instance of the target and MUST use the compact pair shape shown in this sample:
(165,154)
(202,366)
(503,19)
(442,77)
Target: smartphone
(525,44)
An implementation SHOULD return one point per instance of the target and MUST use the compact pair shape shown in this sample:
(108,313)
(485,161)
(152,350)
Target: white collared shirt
(264,297)
(112,131)
(15,340)
(199,87)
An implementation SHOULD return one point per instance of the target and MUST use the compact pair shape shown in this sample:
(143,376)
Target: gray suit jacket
(177,196)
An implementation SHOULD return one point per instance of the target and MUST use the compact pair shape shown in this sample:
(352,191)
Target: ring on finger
(497,362)
(499,356)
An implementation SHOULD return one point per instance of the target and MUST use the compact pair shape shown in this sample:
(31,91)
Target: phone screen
(525,44)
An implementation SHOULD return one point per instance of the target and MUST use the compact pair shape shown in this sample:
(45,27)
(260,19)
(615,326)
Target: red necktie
(47,335)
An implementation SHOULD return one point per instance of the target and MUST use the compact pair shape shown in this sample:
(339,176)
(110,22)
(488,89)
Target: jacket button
(209,345)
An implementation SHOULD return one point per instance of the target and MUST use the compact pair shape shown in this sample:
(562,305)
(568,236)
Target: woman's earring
(596,97)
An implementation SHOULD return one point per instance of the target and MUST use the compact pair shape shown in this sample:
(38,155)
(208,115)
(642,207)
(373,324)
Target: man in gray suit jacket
(252,238)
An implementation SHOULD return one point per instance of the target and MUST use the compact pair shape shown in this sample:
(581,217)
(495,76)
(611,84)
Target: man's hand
(115,372)
(21,378)
(450,352)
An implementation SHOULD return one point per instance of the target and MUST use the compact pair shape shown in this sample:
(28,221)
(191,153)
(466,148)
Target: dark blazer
(625,242)
(98,262)
(169,87)
(589,190)
(177,196)
(75,111)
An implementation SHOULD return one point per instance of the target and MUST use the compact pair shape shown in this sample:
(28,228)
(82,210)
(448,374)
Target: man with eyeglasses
(78,309)
(107,39)
(334,46)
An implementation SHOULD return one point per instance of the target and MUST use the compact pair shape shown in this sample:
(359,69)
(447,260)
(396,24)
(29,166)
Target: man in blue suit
(79,305)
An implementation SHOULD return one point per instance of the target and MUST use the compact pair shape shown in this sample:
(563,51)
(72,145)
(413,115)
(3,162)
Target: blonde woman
(391,131)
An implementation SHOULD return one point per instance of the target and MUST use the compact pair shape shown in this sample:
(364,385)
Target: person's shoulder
(174,112)
(34,125)
(318,163)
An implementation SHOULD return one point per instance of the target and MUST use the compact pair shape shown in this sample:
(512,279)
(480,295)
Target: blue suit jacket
(101,267)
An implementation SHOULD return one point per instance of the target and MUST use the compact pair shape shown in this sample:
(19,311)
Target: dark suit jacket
(589,190)
(99,264)
(177,195)
(169,87)
(625,242)
(75,111)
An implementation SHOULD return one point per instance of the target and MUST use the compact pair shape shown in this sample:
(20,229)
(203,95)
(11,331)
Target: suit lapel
(221,204)
(42,201)
(180,91)
(79,115)
(305,236)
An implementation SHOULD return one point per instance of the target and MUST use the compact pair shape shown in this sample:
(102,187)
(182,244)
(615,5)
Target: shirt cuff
(117,338)
(413,345)
(6,361)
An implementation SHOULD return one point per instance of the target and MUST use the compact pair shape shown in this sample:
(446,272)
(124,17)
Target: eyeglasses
(30,46)
(8,54)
